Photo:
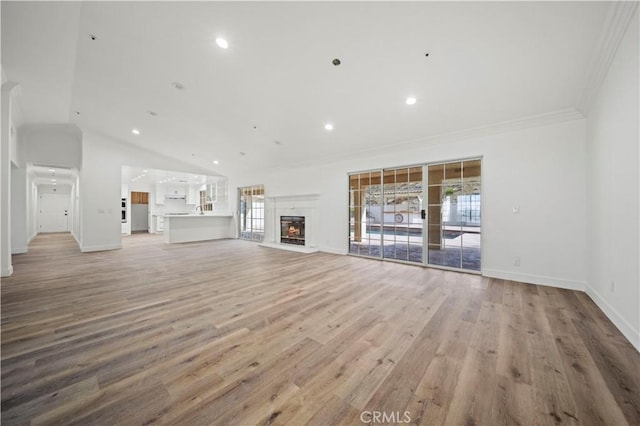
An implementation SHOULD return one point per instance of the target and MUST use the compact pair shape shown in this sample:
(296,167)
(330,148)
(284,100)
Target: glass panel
(454,225)
(402,222)
(433,214)
(389,176)
(436,256)
(452,170)
(415,174)
(471,168)
(353,182)
(251,200)
(436,174)
(365,213)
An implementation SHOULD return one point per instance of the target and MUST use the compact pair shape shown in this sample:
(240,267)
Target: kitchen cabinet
(193,195)
(160,223)
(176,191)
(161,193)
(139,197)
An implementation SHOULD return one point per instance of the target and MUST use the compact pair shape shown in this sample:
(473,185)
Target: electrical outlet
(516,261)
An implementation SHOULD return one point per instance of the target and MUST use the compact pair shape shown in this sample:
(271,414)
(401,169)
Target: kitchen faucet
(199,207)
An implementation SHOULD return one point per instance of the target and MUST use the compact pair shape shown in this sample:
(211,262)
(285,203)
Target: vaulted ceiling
(112,67)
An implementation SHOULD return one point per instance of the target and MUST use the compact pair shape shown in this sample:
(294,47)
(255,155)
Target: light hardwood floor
(228,332)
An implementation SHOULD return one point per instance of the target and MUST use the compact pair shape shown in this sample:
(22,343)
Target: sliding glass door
(251,199)
(401,218)
(365,210)
(454,214)
(423,214)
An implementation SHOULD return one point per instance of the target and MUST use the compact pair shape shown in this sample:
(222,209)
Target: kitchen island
(185,228)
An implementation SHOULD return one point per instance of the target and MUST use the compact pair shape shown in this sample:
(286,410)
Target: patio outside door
(453,216)
(424,214)
(401,217)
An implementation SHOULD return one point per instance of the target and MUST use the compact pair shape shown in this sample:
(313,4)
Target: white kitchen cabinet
(160,223)
(193,195)
(161,192)
(176,191)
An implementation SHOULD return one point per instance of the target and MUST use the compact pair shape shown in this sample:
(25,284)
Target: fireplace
(292,230)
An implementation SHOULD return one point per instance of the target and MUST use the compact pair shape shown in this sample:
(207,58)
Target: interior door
(54,213)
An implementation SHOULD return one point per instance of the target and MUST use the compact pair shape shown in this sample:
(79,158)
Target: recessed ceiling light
(145,171)
(52,170)
(53,180)
(410,100)
(336,62)
(222,43)
(216,162)
(328,126)
(135,131)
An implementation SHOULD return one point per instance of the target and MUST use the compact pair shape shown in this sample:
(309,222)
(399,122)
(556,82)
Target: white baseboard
(31,238)
(6,272)
(290,247)
(628,330)
(77,240)
(19,250)
(86,249)
(535,279)
(334,250)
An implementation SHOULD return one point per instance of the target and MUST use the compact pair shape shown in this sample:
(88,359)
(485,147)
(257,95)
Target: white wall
(539,169)
(53,145)
(7,135)
(32,206)
(613,191)
(46,188)
(19,212)
(76,210)
(101,186)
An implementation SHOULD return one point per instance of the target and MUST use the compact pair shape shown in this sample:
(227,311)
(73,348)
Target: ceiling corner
(613,31)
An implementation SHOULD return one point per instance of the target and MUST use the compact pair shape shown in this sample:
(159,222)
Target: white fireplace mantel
(291,205)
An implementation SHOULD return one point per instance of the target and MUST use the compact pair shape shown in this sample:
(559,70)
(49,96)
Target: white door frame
(53,212)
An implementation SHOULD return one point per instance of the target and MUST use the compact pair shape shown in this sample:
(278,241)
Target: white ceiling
(153,176)
(45,175)
(488,62)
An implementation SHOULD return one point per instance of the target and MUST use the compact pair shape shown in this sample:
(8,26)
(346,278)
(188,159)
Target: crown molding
(545,119)
(538,120)
(614,28)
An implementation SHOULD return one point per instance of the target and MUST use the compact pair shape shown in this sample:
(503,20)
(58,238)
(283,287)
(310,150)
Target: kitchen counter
(195,215)
(182,228)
